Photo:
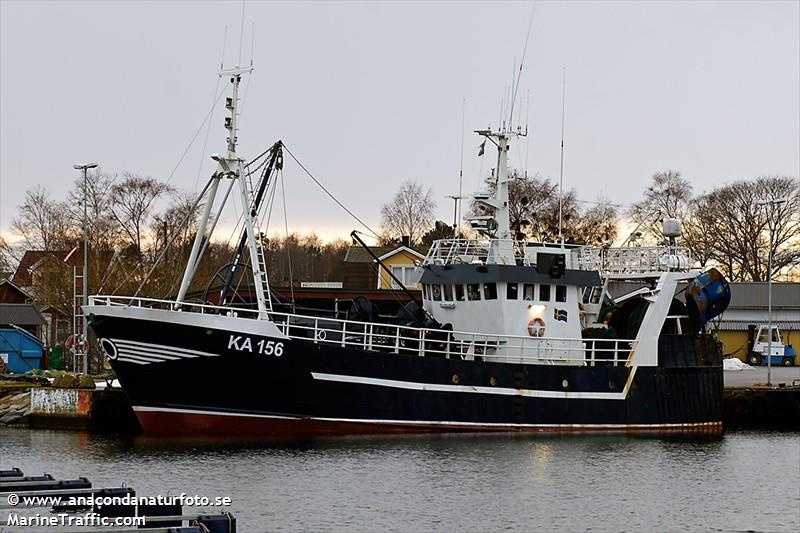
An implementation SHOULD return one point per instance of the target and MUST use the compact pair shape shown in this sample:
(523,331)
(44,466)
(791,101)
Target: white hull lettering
(241,343)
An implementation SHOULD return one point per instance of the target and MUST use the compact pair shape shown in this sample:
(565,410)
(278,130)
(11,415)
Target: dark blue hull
(189,379)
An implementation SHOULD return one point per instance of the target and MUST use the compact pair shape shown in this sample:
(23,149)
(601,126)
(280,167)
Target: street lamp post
(85,168)
(770,222)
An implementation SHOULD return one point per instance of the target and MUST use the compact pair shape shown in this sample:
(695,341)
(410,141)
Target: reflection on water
(739,481)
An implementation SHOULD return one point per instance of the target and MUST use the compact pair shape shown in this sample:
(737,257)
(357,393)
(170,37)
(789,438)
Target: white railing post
(397,339)
(422,343)
(344,333)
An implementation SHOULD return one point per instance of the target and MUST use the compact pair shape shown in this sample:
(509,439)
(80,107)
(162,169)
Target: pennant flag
(560,314)
(481,148)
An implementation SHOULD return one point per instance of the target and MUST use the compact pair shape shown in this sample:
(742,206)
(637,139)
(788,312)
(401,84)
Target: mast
(231,166)
(498,225)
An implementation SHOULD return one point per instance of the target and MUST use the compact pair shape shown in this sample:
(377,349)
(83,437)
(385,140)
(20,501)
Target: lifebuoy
(70,343)
(536,327)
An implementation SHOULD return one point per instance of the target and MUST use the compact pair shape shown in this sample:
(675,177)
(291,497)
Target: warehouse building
(749,309)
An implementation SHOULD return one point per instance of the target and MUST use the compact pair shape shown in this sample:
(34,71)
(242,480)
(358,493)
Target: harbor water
(740,481)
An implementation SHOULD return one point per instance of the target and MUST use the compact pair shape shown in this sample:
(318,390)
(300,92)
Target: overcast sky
(369,94)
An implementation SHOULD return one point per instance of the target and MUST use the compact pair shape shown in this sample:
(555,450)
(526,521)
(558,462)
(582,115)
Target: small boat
(510,336)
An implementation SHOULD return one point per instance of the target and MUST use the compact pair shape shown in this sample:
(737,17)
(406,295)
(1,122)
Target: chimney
(405,240)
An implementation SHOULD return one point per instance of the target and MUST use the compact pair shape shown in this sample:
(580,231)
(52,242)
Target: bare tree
(700,234)
(411,212)
(132,201)
(104,231)
(597,225)
(43,223)
(729,227)
(7,257)
(533,207)
(667,196)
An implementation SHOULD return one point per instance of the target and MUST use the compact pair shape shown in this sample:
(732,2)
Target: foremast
(231,166)
(497,226)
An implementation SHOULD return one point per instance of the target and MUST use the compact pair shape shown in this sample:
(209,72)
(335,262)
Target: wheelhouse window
(436,291)
(544,293)
(448,293)
(561,293)
(527,293)
(474,291)
(511,291)
(460,293)
(425,292)
(490,291)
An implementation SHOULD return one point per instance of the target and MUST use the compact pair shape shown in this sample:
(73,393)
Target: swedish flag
(560,314)
(482,148)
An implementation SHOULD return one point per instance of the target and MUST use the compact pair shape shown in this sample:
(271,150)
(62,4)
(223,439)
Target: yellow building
(361,271)
(749,309)
(402,262)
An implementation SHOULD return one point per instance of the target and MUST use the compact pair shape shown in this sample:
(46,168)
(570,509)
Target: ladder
(78,322)
(260,278)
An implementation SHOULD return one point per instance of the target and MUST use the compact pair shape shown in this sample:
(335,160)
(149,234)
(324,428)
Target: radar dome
(671,227)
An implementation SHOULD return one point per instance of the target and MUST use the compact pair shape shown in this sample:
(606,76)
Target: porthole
(492,381)
(611,384)
(109,348)
(565,384)
(456,379)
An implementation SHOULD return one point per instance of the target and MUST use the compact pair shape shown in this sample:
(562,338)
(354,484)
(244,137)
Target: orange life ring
(536,327)
(70,343)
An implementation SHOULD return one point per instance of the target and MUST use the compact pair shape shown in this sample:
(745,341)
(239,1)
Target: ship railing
(424,342)
(632,259)
(620,260)
(454,251)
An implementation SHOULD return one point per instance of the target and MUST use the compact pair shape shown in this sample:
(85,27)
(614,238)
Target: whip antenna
(521,63)
(241,35)
(561,170)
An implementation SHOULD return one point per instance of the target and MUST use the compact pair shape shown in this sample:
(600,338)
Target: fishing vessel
(511,335)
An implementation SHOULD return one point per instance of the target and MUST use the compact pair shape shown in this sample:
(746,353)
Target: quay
(34,402)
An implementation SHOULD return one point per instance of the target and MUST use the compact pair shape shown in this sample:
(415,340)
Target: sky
(370,94)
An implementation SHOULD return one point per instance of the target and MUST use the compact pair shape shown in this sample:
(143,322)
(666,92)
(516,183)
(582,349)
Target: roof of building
(23,275)
(32,259)
(11,286)
(399,249)
(20,315)
(357,254)
(755,296)
(742,325)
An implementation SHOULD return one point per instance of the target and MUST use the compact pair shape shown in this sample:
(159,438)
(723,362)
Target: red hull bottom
(204,424)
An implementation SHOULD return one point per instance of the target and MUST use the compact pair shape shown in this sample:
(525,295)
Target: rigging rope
(199,129)
(321,186)
(286,241)
(174,236)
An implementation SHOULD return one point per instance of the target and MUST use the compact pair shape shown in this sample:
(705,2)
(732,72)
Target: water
(740,481)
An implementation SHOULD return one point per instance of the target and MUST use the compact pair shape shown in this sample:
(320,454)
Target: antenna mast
(457,222)
(561,170)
